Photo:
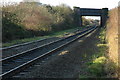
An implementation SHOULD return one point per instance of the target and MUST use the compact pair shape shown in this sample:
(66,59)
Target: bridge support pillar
(77,17)
(104,16)
(80,21)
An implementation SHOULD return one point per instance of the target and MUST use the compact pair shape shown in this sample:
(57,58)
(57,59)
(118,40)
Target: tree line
(30,19)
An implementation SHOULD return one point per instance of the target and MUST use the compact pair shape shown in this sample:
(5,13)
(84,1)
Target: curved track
(18,62)
(19,48)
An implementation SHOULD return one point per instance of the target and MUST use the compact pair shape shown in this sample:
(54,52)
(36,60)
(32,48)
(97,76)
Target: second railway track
(12,50)
(18,48)
(17,63)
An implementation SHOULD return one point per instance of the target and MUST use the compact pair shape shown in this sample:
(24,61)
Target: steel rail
(22,44)
(23,66)
(36,48)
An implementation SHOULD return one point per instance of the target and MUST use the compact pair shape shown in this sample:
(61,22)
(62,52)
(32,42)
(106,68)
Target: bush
(63,17)
(97,66)
(10,29)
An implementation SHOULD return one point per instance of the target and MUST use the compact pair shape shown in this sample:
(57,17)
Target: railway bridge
(79,12)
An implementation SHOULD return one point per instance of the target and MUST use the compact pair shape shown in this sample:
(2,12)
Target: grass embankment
(54,34)
(112,37)
(98,64)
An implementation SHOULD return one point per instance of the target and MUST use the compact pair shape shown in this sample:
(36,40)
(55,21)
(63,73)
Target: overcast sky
(79,3)
(85,3)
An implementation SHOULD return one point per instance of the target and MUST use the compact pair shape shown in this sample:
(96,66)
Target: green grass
(14,42)
(96,67)
(97,64)
(54,34)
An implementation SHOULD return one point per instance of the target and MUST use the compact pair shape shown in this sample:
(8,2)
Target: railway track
(16,63)
(12,50)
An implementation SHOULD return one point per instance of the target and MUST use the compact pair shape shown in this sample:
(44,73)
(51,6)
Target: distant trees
(90,22)
(85,21)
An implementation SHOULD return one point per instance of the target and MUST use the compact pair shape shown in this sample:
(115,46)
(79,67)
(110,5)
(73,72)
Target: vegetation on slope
(106,64)
(98,64)
(112,39)
(30,19)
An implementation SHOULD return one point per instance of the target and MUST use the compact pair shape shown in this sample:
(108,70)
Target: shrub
(97,66)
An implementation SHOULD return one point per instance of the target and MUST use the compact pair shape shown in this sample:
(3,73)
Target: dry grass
(119,39)
(112,35)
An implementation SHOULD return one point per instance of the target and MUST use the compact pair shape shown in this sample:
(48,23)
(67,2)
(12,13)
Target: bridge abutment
(79,12)
(104,16)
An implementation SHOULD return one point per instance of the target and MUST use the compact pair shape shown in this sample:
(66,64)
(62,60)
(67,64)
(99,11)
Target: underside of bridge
(79,12)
